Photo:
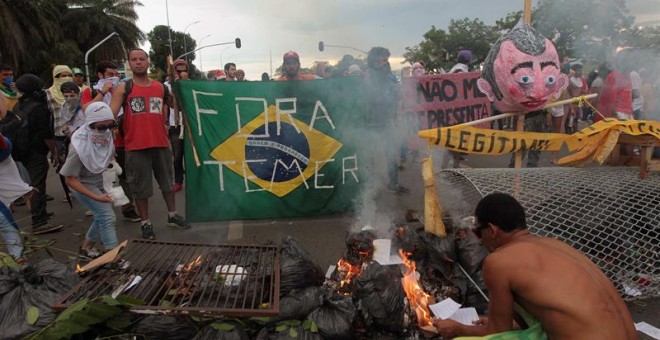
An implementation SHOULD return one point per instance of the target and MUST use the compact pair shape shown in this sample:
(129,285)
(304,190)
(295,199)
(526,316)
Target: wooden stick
(527,12)
(506,115)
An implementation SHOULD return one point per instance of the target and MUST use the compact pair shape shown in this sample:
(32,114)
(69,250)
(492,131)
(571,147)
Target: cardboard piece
(108,257)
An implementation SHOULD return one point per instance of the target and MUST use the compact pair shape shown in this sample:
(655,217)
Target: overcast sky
(280,26)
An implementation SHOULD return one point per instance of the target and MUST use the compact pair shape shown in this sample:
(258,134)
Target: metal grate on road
(607,213)
(193,279)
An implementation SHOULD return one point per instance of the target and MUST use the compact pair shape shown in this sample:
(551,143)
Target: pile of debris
(255,292)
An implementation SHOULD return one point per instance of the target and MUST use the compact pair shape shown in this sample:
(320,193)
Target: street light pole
(201,70)
(169,29)
(184,36)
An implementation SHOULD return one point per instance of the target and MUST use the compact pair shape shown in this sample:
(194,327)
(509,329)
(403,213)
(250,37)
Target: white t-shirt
(636,81)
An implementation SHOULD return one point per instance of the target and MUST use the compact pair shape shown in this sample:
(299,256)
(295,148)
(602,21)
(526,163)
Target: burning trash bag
(298,304)
(27,295)
(334,318)
(297,270)
(381,296)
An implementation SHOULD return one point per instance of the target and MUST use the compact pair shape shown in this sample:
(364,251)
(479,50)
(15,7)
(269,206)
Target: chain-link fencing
(607,213)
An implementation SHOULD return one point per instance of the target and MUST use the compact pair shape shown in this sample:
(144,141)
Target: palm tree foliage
(38,34)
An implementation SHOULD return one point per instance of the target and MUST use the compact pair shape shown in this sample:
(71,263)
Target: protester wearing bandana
(90,153)
(61,75)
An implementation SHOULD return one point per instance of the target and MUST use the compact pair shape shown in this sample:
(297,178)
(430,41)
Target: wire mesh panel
(607,213)
(183,278)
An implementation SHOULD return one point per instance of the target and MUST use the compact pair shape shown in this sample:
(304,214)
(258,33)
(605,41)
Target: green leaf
(118,323)
(295,323)
(107,299)
(314,328)
(32,315)
(130,301)
(172,292)
(167,304)
(261,319)
(293,332)
(85,319)
(281,328)
(66,314)
(223,326)
(102,311)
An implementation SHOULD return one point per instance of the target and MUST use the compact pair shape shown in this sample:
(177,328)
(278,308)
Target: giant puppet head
(521,72)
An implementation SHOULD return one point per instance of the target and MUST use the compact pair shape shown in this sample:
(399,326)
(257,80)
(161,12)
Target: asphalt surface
(323,237)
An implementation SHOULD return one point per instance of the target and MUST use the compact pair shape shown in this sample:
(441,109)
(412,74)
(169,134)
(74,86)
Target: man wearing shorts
(146,141)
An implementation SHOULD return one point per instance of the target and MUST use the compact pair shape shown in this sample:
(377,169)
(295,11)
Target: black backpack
(15,126)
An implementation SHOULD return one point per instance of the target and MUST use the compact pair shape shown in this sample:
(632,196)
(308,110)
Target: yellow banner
(465,138)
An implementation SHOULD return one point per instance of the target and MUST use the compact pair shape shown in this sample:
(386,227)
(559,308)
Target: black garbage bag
(360,246)
(289,330)
(163,327)
(298,304)
(440,253)
(410,239)
(335,317)
(297,270)
(22,290)
(470,252)
(381,296)
(223,330)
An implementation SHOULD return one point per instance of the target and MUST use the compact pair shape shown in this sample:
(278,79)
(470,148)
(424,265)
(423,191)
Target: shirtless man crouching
(561,292)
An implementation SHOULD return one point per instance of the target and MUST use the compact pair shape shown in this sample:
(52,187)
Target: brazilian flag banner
(271,149)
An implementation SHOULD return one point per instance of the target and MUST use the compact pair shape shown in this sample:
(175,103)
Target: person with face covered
(7,86)
(61,75)
(90,153)
(102,92)
(72,112)
(32,105)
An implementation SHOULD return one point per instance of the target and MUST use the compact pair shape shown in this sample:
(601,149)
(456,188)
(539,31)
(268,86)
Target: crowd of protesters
(69,127)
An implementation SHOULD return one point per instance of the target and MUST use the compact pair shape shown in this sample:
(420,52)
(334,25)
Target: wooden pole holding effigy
(520,124)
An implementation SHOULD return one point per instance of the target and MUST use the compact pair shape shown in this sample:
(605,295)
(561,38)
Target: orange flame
(192,264)
(78,268)
(417,298)
(348,271)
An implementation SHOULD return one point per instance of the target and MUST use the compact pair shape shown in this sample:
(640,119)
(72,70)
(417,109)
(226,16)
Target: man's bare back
(563,289)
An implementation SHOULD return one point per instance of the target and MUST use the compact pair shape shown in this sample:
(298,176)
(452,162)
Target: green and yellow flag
(271,149)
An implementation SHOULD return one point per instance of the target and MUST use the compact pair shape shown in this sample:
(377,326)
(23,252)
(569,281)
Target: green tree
(27,26)
(440,48)
(587,29)
(87,22)
(38,34)
(160,48)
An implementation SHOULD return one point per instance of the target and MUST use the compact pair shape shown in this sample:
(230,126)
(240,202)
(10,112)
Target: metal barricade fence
(607,213)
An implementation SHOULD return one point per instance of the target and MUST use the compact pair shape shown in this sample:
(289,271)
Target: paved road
(323,237)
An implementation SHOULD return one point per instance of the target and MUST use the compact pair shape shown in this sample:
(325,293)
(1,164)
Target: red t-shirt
(616,95)
(86,96)
(144,121)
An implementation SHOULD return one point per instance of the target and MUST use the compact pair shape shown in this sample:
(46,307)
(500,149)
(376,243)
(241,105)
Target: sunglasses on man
(479,228)
(102,128)
(180,70)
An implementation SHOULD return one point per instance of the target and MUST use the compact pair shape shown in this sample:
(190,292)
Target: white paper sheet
(465,316)
(331,269)
(647,329)
(393,259)
(445,308)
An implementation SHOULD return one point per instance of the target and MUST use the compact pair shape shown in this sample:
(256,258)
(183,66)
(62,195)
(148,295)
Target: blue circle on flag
(287,147)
